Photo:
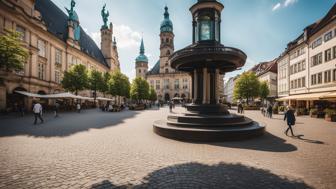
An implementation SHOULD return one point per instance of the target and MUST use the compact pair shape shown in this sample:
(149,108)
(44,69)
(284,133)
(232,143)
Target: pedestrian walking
(78,107)
(37,109)
(170,106)
(56,108)
(269,111)
(290,117)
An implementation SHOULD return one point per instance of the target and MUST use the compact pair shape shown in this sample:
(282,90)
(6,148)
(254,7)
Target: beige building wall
(325,66)
(41,72)
(283,75)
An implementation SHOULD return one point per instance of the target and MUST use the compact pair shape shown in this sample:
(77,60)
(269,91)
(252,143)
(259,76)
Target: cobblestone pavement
(119,150)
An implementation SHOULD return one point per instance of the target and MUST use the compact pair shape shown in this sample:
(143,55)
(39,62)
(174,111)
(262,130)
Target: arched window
(167,40)
(168,52)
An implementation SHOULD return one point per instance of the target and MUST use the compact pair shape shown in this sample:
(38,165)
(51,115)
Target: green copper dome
(166,24)
(142,57)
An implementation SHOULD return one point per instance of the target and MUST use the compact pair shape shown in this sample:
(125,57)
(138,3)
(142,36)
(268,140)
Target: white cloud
(289,2)
(125,36)
(284,4)
(276,7)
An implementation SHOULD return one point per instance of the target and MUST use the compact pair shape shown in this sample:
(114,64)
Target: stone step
(207,119)
(210,124)
(208,134)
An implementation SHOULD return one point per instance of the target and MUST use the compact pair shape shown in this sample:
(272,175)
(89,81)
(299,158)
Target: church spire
(142,47)
(166,14)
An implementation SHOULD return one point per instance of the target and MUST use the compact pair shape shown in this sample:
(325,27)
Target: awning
(331,95)
(59,95)
(312,96)
(104,99)
(29,94)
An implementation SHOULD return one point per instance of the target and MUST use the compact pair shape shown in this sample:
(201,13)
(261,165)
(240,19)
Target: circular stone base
(227,128)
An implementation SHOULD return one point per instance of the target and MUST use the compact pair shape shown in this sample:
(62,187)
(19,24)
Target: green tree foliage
(246,86)
(12,53)
(119,85)
(152,94)
(263,90)
(95,81)
(75,79)
(139,89)
(104,87)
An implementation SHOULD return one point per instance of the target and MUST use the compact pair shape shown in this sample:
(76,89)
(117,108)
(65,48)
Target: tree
(104,87)
(263,90)
(152,94)
(139,89)
(246,86)
(95,80)
(119,85)
(12,53)
(75,79)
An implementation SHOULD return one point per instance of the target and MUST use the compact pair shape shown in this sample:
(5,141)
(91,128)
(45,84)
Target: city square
(120,150)
(222,94)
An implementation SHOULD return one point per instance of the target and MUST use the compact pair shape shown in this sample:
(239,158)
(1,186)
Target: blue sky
(261,28)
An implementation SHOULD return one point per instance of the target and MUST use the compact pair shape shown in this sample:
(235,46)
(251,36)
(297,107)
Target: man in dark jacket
(289,115)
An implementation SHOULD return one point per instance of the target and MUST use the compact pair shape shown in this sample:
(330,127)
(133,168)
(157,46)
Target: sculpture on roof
(105,16)
(71,11)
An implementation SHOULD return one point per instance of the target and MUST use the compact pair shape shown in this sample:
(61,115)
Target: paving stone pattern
(96,149)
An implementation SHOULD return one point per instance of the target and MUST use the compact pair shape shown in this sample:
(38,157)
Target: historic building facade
(167,82)
(55,42)
(307,68)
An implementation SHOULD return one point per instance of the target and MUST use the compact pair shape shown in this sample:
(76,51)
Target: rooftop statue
(105,16)
(71,11)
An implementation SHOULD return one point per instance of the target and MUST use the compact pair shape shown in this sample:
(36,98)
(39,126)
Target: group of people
(267,111)
(240,108)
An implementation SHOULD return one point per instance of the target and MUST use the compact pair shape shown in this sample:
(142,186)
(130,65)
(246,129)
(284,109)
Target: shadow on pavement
(65,125)
(300,137)
(222,175)
(267,142)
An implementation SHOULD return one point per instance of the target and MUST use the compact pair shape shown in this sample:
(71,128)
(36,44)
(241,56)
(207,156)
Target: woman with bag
(289,115)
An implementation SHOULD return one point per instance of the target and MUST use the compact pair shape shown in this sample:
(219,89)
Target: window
(328,36)
(185,83)
(299,67)
(57,76)
(157,84)
(166,83)
(291,70)
(295,84)
(319,78)
(299,83)
(317,43)
(58,56)
(295,68)
(40,71)
(334,52)
(139,70)
(303,64)
(316,60)
(41,46)
(292,84)
(334,75)
(205,28)
(327,55)
(327,76)
(22,32)
(177,84)
(152,83)
(166,70)
(303,82)
(313,79)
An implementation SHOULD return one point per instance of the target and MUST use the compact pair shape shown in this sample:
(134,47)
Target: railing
(209,49)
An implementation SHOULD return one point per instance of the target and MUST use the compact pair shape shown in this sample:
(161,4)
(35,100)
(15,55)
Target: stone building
(307,67)
(267,71)
(167,82)
(55,42)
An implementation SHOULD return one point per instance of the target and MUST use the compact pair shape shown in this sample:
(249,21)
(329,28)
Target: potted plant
(281,108)
(330,115)
(313,112)
(275,110)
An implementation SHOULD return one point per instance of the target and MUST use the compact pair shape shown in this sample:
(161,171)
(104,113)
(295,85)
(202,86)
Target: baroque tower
(108,47)
(167,42)
(141,62)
